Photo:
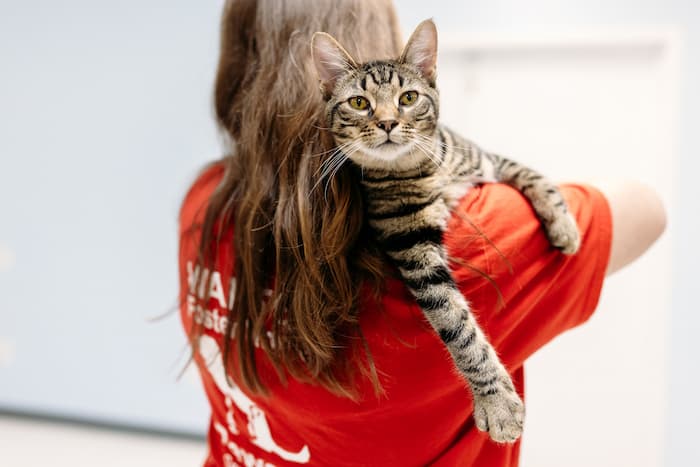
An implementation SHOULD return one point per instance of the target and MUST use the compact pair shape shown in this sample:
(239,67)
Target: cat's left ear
(331,60)
(421,50)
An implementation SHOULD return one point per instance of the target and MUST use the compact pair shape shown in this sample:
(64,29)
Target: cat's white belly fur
(453,192)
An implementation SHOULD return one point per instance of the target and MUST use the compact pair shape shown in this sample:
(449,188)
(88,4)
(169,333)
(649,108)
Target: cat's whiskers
(338,151)
(442,144)
(330,166)
(350,151)
(327,164)
(428,151)
(333,149)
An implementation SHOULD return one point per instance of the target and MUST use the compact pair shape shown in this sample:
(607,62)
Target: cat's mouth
(388,143)
(386,155)
(387,149)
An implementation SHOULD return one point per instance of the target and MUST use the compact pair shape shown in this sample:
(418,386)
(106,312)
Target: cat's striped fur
(413,172)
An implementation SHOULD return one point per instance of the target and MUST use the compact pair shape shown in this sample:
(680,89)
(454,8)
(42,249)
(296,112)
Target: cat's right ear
(331,60)
(421,50)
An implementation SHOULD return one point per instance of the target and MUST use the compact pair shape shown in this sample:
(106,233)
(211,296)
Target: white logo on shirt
(258,427)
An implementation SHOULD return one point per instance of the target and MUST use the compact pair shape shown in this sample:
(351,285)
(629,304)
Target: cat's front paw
(563,234)
(501,415)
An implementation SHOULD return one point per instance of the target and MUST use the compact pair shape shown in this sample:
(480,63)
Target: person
(329,360)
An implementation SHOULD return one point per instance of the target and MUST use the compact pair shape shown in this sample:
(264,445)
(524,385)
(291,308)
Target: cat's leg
(478,166)
(546,199)
(498,408)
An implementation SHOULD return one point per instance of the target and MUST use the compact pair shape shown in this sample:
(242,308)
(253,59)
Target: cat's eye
(358,103)
(408,98)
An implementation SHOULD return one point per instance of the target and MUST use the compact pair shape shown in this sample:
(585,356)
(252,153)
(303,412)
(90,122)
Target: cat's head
(383,114)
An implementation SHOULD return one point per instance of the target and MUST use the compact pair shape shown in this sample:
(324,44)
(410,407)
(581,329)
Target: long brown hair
(302,237)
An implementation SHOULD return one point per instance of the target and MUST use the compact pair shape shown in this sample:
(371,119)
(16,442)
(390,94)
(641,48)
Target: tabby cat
(383,115)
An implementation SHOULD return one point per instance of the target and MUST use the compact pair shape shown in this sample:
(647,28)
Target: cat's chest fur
(421,198)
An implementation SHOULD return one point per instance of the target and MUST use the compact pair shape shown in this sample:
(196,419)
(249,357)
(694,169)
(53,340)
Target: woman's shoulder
(499,218)
(525,291)
(197,197)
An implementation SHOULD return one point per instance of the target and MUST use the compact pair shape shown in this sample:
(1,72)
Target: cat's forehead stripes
(380,73)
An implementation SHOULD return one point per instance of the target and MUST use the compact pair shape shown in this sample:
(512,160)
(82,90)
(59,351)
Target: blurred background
(105,119)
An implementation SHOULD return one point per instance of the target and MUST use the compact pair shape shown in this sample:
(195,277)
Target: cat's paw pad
(563,234)
(501,415)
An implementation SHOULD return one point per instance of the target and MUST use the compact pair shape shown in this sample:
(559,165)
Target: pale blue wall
(104,117)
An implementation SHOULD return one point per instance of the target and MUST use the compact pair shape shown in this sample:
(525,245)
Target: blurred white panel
(7,258)
(32,443)
(588,106)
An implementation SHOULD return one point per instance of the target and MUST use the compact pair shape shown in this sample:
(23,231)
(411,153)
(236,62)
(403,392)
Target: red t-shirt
(425,416)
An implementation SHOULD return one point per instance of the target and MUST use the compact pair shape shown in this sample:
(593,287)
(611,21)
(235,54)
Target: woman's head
(303,239)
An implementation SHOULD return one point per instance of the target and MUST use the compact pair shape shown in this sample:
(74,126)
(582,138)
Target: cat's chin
(387,156)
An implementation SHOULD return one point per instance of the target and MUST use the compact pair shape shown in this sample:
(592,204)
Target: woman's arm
(638,219)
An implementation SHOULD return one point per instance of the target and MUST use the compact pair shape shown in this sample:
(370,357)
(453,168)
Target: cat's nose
(387,125)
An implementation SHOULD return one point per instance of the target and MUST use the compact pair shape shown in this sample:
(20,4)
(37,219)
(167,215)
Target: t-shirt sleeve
(523,291)
(192,214)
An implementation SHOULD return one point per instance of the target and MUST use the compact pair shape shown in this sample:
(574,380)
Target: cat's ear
(331,59)
(421,50)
